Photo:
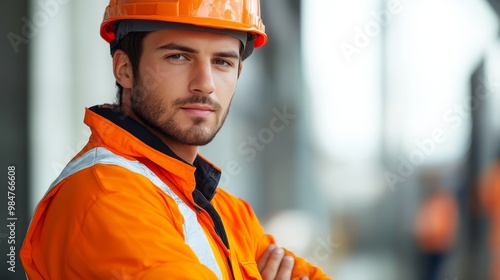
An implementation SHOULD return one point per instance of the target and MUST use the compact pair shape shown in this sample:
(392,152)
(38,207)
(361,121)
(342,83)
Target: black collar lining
(207,178)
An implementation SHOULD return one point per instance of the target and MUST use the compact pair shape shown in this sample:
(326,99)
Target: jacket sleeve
(130,233)
(301,267)
(126,238)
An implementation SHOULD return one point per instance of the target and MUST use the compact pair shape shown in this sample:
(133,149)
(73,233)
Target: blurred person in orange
(436,224)
(139,201)
(489,196)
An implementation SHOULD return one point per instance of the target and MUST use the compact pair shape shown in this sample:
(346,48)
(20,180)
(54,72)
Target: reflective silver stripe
(194,235)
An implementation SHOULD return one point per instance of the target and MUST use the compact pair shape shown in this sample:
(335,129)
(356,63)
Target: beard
(161,118)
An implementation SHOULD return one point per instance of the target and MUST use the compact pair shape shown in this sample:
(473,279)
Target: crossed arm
(275,265)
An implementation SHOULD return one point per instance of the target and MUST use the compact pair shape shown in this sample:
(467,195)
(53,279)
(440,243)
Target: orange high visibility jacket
(489,196)
(126,207)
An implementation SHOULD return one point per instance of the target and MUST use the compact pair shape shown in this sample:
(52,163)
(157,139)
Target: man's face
(186,83)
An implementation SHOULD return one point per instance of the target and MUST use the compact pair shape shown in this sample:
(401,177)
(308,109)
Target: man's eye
(222,62)
(176,57)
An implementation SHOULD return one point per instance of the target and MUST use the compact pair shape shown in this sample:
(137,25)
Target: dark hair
(131,44)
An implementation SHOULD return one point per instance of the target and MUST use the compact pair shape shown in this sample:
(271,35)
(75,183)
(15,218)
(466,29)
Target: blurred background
(365,134)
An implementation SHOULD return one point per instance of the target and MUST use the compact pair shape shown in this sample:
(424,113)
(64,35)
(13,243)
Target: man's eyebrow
(179,47)
(174,46)
(228,54)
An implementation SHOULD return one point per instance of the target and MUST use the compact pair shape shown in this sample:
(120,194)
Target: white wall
(70,70)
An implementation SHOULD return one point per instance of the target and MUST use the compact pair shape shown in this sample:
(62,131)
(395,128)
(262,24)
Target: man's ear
(122,69)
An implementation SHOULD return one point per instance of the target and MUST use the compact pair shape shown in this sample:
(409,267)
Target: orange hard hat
(238,15)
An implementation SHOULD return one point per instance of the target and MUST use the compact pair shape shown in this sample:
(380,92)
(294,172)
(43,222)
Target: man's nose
(202,79)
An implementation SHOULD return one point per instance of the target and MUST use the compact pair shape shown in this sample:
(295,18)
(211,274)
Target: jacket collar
(202,175)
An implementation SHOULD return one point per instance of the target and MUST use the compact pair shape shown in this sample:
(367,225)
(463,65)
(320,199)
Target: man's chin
(200,141)
(192,138)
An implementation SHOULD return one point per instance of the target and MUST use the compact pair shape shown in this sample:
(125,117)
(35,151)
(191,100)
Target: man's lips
(198,110)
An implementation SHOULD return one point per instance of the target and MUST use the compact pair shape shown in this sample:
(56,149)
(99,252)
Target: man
(139,202)
(436,223)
